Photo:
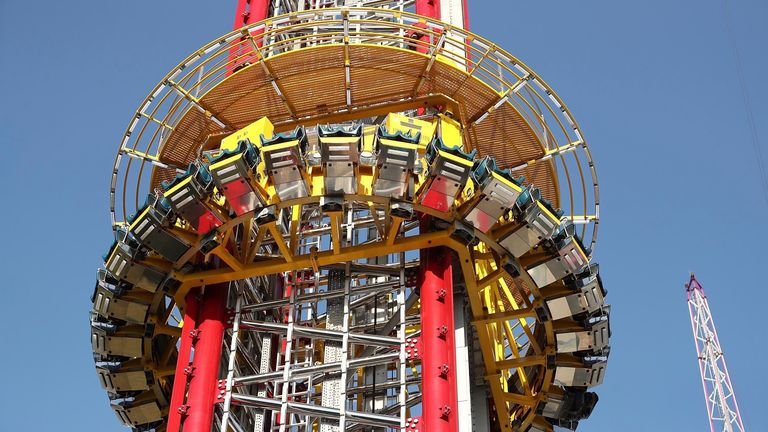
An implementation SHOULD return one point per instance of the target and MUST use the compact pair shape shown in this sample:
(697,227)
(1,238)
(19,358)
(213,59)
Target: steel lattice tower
(722,409)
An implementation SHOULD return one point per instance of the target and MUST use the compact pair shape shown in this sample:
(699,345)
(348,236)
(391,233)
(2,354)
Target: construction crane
(351,216)
(722,409)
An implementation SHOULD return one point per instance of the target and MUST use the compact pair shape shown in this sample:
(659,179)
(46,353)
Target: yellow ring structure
(336,66)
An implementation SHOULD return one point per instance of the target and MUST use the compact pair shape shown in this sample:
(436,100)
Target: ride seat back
(108,305)
(138,413)
(114,344)
(340,156)
(589,376)
(121,265)
(115,382)
(150,230)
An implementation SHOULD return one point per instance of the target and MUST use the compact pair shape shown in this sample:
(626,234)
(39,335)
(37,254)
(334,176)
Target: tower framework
(722,409)
(347,228)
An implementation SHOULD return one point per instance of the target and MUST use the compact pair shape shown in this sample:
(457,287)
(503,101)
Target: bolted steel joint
(412,348)
(441,293)
(183,410)
(445,411)
(444,369)
(442,331)
(412,424)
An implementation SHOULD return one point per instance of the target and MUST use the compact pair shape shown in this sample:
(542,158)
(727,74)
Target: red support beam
(248,12)
(180,381)
(438,364)
(428,8)
(466,14)
(205,365)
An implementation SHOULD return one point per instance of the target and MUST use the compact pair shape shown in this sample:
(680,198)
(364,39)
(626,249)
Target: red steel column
(428,8)
(248,12)
(205,365)
(466,14)
(438,364)
(182,362)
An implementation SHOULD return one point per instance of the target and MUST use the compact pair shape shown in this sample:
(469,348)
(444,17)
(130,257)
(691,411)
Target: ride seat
(572,259)
(109,305)
(233,172)
(593,339)
(151,229)
(339,156)
(113,340)
(188,195)
(284,161)
(589,376)
(589,299)
(121,264)
(449,170)
(498,192)
(568,408)
(396,162)
(140,411)
(115,380)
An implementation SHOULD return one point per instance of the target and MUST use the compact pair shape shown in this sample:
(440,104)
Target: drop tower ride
(351,215)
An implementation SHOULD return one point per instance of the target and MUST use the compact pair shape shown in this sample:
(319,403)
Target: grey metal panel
(388,188)
(138,414)
(548,272)
(286,175)
(520,241)
(575,341)
(580,376)
(481,219)
(539,221)
(589,300)
(500,192)
(550,407)
(122,381)
(106,344)
(393,172)
(282,158)
(567,306)
(341,185)
(292,190)
(108,305)
(123,267)
(572,255)
(340,169)
(593,295)
(446,186)
(234,170)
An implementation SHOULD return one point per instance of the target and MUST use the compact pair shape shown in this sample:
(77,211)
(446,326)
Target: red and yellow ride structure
(352,218)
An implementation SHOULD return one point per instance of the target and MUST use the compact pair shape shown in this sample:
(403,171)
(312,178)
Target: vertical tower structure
(352,215)
(722,409)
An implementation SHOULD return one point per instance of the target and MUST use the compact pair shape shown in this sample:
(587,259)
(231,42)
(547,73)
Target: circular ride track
(300,165)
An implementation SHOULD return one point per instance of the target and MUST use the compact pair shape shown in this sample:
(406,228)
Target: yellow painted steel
(503,313)
(253,132)
(492,302)
(410,126)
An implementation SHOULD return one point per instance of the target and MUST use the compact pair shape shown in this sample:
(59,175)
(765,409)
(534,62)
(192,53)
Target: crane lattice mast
(722,409)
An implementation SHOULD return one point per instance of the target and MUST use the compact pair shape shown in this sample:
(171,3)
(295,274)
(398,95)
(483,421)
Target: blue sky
(652,83)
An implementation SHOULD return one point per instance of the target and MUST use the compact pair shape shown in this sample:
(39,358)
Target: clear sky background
(652,83)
